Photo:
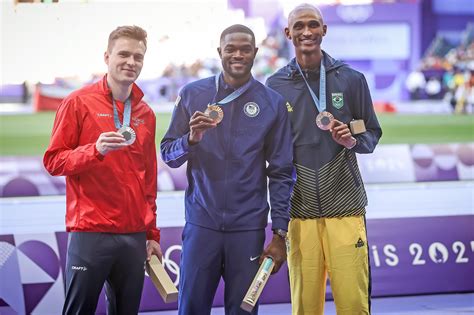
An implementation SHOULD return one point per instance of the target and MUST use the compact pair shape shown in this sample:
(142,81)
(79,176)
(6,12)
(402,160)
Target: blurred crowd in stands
(446,72)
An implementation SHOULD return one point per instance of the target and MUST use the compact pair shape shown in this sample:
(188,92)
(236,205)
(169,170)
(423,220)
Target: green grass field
(29,134)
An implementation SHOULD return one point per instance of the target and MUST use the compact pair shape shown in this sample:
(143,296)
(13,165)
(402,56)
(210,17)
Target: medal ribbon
(229,98)
(320,105)
(127,110)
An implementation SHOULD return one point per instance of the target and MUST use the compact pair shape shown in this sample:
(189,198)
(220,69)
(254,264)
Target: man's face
(306,30)
(237,54)
(125,60)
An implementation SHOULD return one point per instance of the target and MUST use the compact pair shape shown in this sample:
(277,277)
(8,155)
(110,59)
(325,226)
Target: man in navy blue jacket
(234,133)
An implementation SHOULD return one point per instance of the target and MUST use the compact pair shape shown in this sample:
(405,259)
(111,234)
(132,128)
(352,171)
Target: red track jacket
(115,193)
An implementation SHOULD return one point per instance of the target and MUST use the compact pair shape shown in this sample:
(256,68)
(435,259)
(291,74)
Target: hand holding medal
(324,120)
(110,141)
(124,128)
(213,115)
(198,125)
(214,110)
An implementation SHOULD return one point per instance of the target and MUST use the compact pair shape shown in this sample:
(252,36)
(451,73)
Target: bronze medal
(324,120)
(215,113)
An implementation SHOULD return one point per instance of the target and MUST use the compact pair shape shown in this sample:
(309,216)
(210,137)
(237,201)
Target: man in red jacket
(103,141)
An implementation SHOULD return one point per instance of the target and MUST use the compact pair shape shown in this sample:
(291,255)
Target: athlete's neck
(311,61)
(235,82)
(120,92)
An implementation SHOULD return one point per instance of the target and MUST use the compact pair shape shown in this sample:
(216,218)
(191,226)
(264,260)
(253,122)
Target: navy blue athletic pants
(209,255)
(97,258)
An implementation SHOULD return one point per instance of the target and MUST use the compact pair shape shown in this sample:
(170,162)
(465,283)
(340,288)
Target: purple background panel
(42,255)
(61,240)
(8,238)
(33,293)
(421,255)
(388,164)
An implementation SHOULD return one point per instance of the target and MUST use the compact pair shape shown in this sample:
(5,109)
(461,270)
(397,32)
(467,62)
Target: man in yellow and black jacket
(327,232)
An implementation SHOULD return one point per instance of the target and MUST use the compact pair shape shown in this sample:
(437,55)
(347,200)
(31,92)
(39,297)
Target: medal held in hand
(324,120)
(129,134)
(215,113)
(124,129)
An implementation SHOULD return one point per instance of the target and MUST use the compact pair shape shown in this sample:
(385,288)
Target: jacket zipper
(227,155)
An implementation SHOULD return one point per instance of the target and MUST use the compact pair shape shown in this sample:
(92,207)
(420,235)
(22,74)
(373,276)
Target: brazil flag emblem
(337,100)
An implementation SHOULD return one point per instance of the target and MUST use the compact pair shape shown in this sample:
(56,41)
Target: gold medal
(129,134)
(324,120)
(215,113)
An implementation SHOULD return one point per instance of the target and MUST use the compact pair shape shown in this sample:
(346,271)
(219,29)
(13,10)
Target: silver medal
(129,134)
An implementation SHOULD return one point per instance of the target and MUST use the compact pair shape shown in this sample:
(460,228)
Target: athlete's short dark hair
(238,28)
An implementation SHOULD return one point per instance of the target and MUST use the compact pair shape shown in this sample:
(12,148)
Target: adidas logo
(360,243)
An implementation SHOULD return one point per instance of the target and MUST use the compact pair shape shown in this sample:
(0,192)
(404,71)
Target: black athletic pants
(97,258)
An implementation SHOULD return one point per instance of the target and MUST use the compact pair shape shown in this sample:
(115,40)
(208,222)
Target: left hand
(342,134)
(153,248)
(277,251)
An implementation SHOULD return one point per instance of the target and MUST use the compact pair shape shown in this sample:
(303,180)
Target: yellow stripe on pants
(333,247)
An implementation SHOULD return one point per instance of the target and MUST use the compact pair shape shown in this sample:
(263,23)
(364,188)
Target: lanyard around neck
(127,110)
(229,98)
(321,102)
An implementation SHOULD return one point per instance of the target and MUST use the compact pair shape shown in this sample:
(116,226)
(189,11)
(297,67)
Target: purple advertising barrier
(398,163)
(443,162)
(422,255)
(419,255)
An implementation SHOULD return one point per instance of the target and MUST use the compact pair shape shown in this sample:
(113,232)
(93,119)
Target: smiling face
(237,53)
(306,29)
(124,59)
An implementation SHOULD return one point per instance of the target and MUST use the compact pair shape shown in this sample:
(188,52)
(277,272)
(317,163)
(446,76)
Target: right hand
(153,248)
(277,251)
(110,141)
(342,134)
(198,125)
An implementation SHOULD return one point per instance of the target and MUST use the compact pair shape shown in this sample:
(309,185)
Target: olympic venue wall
(420,235)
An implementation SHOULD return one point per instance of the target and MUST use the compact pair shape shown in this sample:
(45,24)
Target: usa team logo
(251,109)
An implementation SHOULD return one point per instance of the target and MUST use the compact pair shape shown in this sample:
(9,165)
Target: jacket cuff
(280,223)
(154,234)
(354,145)
(97,154)
(186,146)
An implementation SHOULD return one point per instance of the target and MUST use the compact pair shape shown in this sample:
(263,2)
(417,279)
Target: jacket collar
(137,93)
(225,86)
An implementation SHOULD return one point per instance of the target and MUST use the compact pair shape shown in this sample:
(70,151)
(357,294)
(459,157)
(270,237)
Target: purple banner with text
(408,256)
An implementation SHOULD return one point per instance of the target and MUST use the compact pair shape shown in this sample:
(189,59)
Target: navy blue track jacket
(227,171)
